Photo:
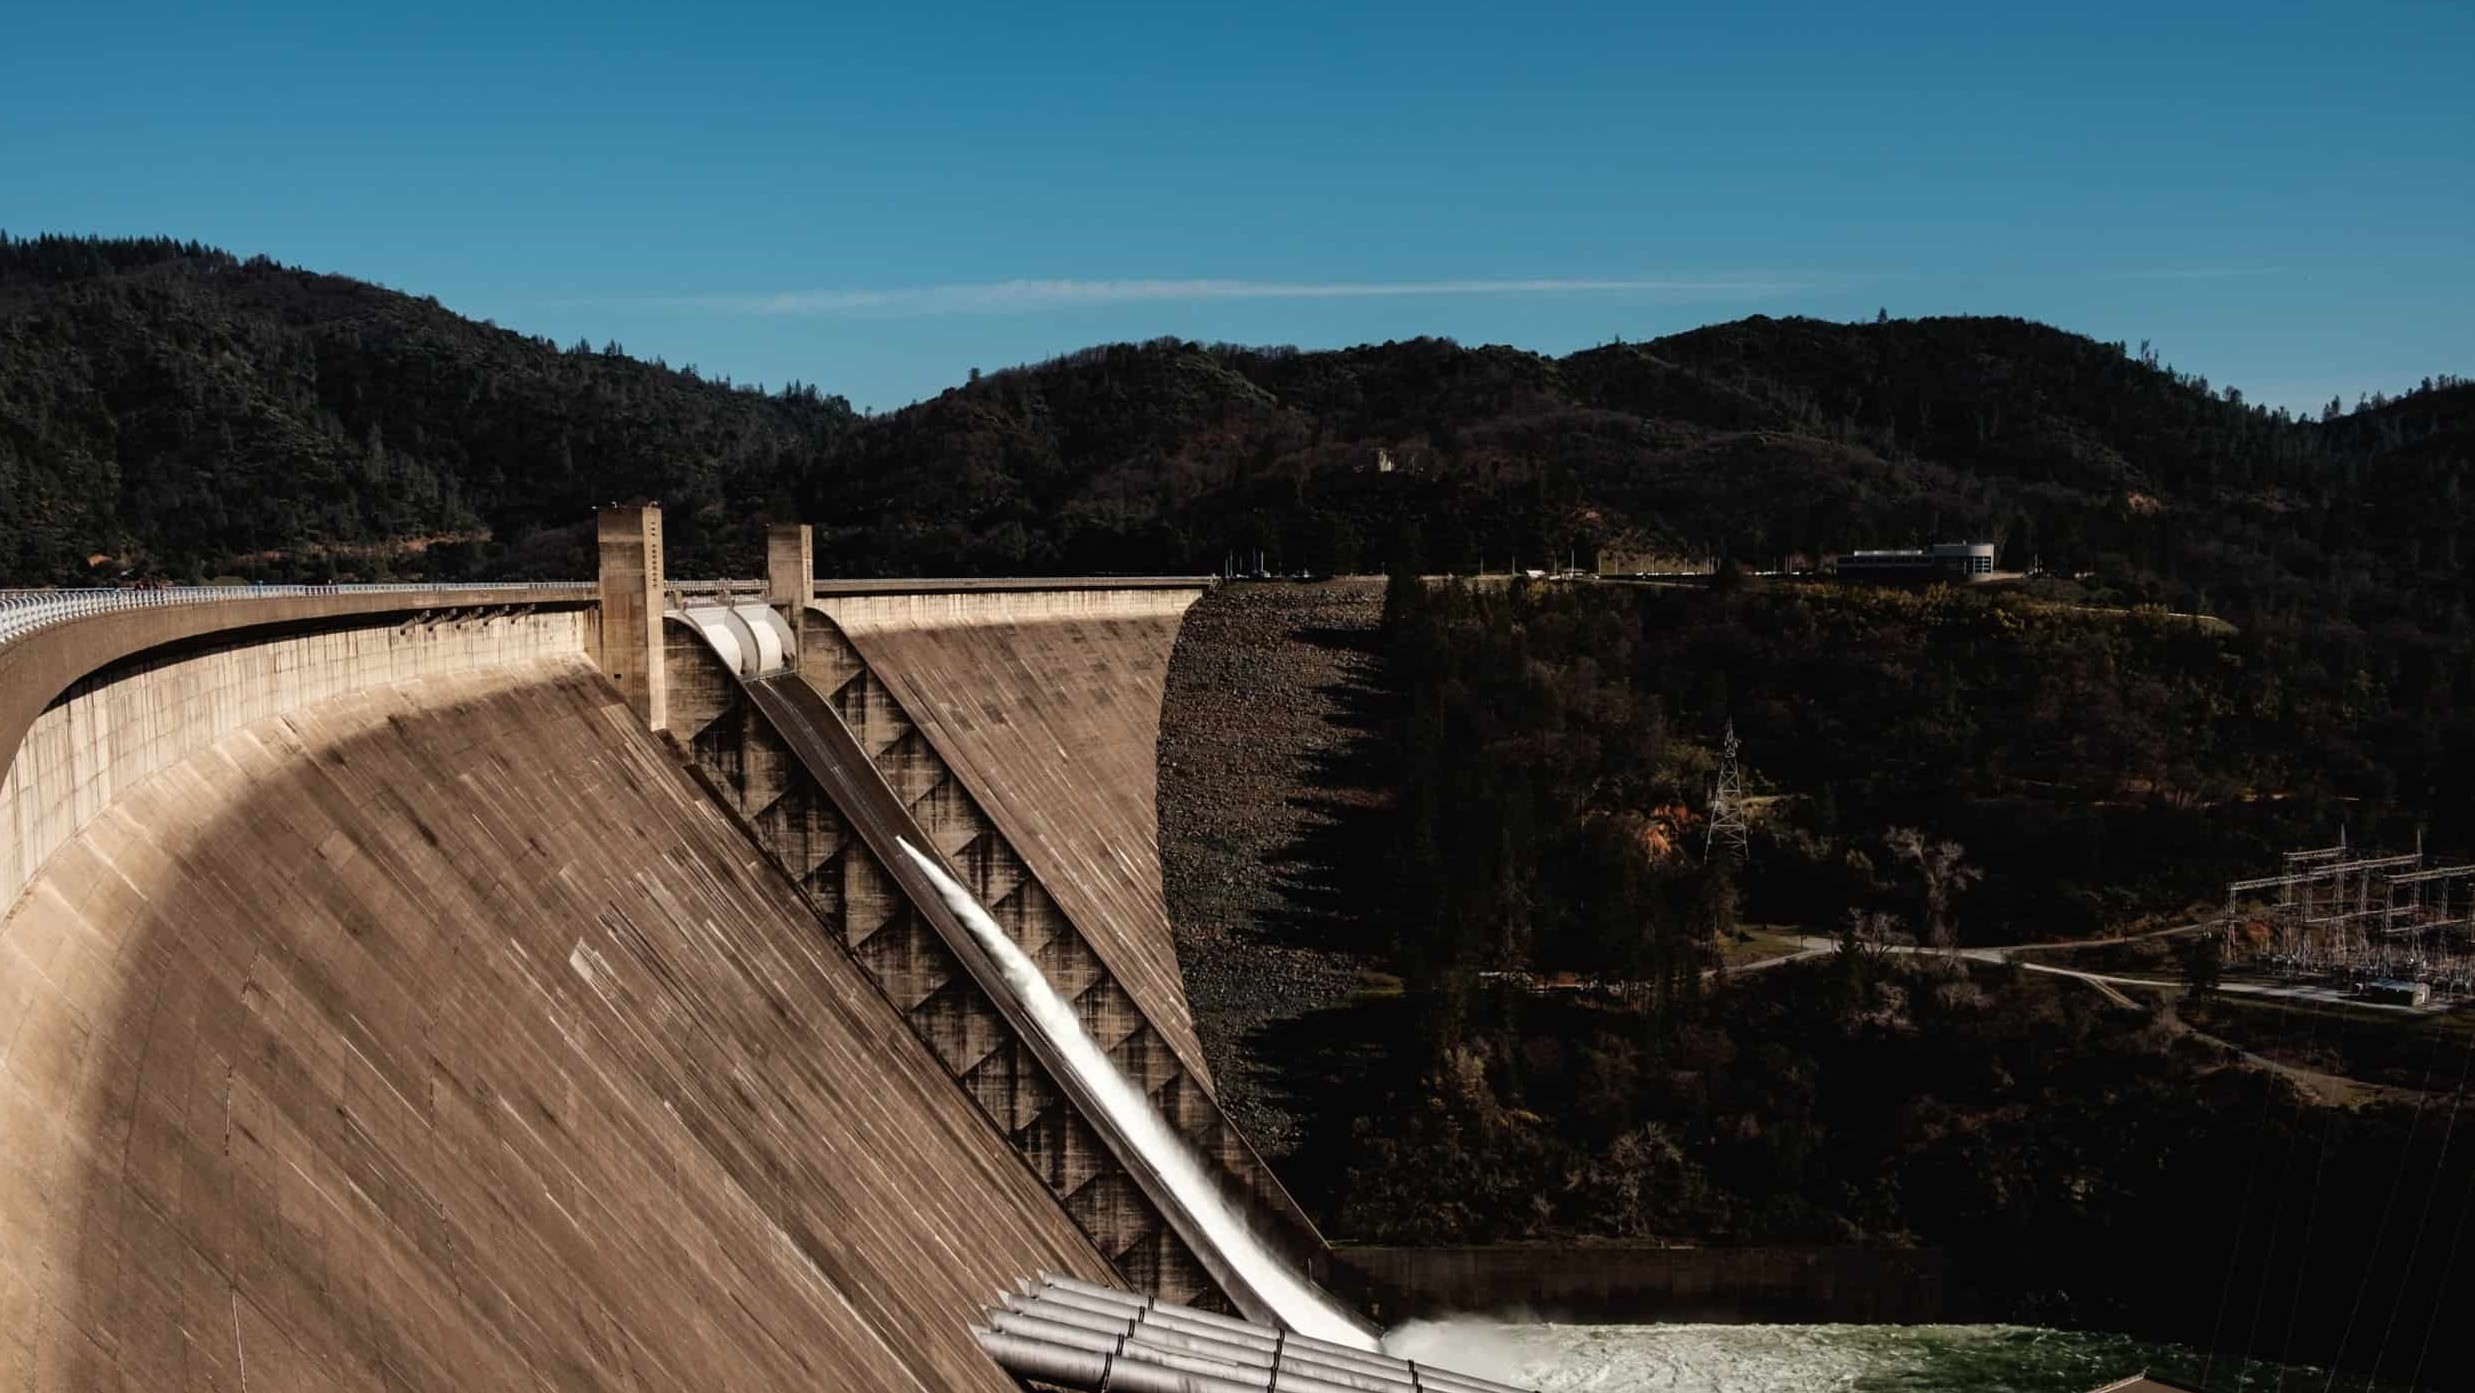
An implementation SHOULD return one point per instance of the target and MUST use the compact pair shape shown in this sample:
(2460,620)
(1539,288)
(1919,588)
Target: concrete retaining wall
(115,728)
(944,607)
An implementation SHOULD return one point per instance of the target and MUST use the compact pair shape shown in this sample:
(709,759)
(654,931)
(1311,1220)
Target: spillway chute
(1131,1116)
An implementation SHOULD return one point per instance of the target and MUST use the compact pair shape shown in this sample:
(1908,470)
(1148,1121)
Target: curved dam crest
(435,1025)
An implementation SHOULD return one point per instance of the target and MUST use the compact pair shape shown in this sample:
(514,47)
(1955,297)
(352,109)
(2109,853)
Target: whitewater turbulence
(1800,1358)
(1299,1303)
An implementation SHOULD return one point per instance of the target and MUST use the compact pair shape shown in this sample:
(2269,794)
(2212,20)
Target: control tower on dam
(496,987)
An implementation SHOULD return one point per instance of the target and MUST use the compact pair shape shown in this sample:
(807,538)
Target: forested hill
(1761,439)
(189,414)
(197,414)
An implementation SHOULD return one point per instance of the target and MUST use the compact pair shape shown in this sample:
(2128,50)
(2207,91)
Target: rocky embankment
(1257,714)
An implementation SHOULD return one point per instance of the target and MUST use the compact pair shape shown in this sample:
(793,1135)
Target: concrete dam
(429,987)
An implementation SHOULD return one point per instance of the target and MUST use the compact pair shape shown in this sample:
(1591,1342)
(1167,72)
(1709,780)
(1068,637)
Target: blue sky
(878,198)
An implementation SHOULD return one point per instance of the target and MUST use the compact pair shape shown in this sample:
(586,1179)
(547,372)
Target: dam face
(383,1004)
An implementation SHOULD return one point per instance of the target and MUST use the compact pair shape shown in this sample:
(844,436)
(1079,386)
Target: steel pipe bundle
(1127,1349)
(1155,1333)
(1078,1335)
(1074,1368)
(1186,1323)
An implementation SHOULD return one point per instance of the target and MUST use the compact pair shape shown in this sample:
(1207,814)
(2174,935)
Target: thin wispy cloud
(2195,273)
(1023,296)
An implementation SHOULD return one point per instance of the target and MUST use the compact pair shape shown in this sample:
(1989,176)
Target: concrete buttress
(630,642)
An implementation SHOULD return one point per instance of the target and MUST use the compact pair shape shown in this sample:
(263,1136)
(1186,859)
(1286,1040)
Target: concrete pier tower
(790,573)
(631,610)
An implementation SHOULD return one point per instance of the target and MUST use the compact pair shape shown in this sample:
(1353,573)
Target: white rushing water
(1637,1358)
(1556,1358)
(1301,1305)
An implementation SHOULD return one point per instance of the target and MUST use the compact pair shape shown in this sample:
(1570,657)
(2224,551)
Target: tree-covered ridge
(202,415)
(198,413)
(1764,439)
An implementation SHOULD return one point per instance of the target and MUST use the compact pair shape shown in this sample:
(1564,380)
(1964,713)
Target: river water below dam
(1825,1359)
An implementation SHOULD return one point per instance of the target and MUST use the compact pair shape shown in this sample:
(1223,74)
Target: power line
(2277,1218)
(2440,1166)
(2243,1213)
(2303,1267)
(2380,1235)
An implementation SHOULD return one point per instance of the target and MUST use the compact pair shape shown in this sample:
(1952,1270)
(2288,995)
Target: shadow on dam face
(447,1035)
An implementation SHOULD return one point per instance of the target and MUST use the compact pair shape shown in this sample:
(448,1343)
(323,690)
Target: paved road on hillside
(2329,1088)
(1814,947)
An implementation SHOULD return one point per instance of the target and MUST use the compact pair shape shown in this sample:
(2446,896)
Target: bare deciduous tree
(1944,869)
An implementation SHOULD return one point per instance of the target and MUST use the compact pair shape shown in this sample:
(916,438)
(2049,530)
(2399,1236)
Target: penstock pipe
(1228,1336)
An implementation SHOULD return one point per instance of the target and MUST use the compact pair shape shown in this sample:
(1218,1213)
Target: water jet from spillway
(1298,1303)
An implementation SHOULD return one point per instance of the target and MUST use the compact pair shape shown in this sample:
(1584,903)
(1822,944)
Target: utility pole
(1727,804)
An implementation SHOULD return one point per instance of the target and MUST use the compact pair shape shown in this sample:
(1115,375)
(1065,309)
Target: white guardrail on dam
(24,611)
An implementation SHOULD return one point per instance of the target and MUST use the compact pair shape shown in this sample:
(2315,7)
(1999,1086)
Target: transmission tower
(1727,804)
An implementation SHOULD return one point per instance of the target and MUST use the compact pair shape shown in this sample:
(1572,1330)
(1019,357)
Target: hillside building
(1961,562)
